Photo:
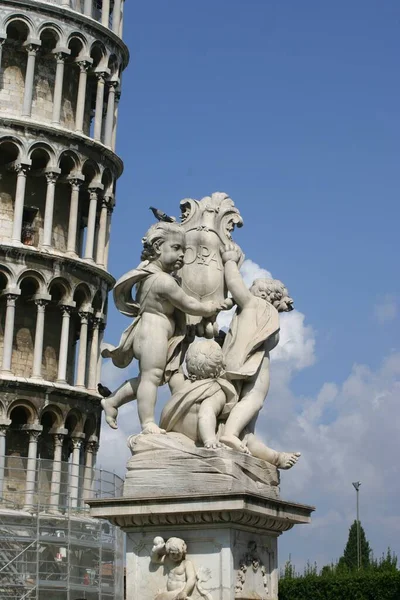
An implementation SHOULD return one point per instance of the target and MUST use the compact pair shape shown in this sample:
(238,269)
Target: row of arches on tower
(49,454)
(55,198)
(107,12)
(51,329)
(61,77)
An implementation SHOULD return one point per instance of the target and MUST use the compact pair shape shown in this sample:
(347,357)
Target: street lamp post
(356,485)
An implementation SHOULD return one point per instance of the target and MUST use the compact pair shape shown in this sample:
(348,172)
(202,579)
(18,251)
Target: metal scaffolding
(57,552)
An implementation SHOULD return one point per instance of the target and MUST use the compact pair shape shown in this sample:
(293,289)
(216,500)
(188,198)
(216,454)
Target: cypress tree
(349,558)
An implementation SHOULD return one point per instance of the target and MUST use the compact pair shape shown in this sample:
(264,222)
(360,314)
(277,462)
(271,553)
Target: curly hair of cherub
(205,360)
(175,544)
(158,233)
(275,288)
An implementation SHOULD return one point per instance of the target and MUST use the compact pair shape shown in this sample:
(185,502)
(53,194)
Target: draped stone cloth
(244,355)
(191,393)
(122,355)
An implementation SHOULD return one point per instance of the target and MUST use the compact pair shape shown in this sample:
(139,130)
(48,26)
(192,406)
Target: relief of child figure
(155,338)
(181,574)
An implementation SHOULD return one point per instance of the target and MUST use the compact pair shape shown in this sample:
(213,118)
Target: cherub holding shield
(156,335)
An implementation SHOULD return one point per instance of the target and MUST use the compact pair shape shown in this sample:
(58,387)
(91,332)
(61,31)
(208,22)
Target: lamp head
(356,485)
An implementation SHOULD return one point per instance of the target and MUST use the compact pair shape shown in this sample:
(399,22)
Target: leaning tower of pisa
(60,79)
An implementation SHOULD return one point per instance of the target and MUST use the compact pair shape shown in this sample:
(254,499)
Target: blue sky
(293,109)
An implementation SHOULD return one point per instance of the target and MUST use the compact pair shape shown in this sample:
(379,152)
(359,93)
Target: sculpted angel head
(176,549)
(165,243)
(274,292)
(204,360)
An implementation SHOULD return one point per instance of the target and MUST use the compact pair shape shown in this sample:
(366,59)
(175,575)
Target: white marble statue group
(188,274)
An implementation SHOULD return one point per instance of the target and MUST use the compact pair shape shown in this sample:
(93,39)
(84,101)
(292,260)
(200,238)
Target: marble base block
(172,465)
(231,541)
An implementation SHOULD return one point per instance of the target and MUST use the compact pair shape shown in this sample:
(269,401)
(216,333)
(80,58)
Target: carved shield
(208,224)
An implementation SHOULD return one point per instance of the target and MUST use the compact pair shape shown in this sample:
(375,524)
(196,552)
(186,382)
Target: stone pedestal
(231,535)
(231,540)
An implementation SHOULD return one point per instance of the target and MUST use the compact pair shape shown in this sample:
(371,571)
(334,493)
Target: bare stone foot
(287,460)
(152,428)
(213,444)
(235,443)
(110,413)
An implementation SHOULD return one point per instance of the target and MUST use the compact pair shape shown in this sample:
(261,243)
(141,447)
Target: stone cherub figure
(155,338)
(202,401)
(252,335)
(182,578)
(199,399)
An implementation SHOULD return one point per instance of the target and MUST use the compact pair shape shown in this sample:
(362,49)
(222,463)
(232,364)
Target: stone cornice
(11,383)
(74,264)
(237,510)
(37,128)
(74,16)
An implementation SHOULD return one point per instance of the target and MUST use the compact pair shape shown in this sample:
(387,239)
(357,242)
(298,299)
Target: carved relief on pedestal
(252,576)
(184,581)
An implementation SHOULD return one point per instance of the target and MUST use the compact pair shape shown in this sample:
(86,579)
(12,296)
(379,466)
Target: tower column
(81,97)
(108,130)
(101,239)
(4,425)
(114,133)
(116,20)
(66,310)
(56,472)
(51,178)
(105,13)
(121,21)
(21,170)
(87,8)
(91,449)
(98,115)
(77,441)
(91,226)
(41,304)
(100,359)
(76,183)
(32,49)
(83,338)
(34,433)
(60,57)
(94,354)
(107,245)
(2,40)
(9,331)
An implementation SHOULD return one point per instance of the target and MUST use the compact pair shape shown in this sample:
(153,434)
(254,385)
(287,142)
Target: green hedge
(363,586)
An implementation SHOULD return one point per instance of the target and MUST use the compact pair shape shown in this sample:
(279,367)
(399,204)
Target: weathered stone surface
(171,465)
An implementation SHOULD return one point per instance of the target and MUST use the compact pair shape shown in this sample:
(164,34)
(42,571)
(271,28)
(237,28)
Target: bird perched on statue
(103,390)
(162,216)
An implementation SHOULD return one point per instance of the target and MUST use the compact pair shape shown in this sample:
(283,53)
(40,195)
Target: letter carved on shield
(208,224)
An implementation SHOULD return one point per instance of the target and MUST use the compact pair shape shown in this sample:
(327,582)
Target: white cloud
(386,310)
(297,342)
(251,271)
(345,433)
